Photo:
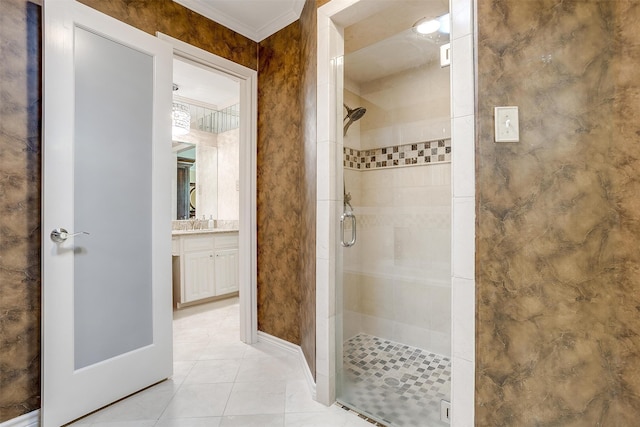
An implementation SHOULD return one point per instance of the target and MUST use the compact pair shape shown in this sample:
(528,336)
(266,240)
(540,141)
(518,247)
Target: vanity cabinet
(205,265)
(226,270)
(199,273)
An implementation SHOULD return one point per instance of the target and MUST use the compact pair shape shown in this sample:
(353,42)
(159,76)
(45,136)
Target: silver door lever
(59,235)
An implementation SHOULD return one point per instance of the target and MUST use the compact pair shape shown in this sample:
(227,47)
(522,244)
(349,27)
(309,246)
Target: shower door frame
(329,149)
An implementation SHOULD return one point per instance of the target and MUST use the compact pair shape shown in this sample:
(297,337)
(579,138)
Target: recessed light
(426,26)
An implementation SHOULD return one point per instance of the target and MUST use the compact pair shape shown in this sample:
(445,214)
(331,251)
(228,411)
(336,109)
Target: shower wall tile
(352,325)
(308,102)
(402,281)
(461,16)
(558,221)
(399,113)
(463,177)
(411,302)
(462,75)
(327,186)
(462,393)
(463,315)
(463,246)
(351,289)
(441,343)
(325,248)
(463,158)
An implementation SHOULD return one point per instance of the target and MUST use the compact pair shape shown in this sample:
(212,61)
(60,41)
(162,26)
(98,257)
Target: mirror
(207,154)
(186,182)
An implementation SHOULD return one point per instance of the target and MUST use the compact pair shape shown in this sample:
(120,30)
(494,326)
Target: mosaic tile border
(419,153)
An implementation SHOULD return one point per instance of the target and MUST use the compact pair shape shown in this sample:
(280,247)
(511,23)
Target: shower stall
(393,263)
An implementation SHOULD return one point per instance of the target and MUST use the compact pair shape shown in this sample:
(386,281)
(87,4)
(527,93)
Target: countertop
(203,231)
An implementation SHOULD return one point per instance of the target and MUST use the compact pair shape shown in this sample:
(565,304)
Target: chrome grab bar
(353,229)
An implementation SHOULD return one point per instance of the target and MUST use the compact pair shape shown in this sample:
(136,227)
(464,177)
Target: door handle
(353,229)
(59,235)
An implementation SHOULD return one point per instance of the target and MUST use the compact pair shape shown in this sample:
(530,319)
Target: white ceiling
(204,86)
(379,41)
(403,51)
(255,19)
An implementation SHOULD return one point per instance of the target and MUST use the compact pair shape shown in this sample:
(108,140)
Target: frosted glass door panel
(112,265)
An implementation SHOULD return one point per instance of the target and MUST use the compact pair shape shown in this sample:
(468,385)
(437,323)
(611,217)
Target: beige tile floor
(219,381)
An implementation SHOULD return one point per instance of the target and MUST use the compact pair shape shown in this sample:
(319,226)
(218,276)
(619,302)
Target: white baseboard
(294,350)
(31,419)
(307,373)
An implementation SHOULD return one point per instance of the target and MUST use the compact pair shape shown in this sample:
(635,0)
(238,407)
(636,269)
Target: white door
(107,172)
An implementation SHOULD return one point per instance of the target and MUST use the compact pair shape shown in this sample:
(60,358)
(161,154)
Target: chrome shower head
(353,115)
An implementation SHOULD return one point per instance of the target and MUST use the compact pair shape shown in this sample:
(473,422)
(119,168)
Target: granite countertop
(203,231)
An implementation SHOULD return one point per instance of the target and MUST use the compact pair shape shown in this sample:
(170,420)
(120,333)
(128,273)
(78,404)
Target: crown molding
(209,10)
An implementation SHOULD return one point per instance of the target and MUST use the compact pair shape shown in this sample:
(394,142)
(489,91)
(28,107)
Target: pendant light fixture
(181,117)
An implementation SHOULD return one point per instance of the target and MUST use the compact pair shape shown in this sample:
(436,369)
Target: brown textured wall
(181,23)
(19,208)
(308,87)
(279,187)
(558,217)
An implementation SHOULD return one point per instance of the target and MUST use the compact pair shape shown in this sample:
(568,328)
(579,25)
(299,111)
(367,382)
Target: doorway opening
(205,208)
(214,232)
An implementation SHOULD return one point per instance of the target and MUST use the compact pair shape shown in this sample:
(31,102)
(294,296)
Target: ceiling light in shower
(426,26)
(181,117)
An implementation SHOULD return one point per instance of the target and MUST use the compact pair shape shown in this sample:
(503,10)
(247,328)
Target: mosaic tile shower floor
(397,384)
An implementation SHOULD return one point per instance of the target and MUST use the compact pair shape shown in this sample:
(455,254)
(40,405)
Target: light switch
(506,123)
(445,55)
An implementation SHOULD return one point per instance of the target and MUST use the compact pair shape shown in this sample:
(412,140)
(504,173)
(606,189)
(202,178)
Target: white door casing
(93,355)
(247,239)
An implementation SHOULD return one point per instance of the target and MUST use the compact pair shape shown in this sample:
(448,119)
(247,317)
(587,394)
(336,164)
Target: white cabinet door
(198,275)
(226,271)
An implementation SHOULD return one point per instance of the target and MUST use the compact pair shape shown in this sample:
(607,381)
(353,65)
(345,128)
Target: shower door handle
(353,229)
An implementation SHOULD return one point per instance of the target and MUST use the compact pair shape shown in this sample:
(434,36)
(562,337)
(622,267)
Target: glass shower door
(393,285)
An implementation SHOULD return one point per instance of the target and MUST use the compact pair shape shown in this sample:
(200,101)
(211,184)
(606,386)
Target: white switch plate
(445,55)
(506,123)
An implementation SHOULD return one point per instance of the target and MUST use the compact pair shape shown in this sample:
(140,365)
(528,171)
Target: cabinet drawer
(227,240)
(197,243)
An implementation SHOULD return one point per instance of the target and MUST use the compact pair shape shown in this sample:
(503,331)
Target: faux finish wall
(287,183)
(19,208)
(279,206)
(183,24)
(558,217)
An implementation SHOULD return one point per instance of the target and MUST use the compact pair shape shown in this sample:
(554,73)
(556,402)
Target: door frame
(247,245)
